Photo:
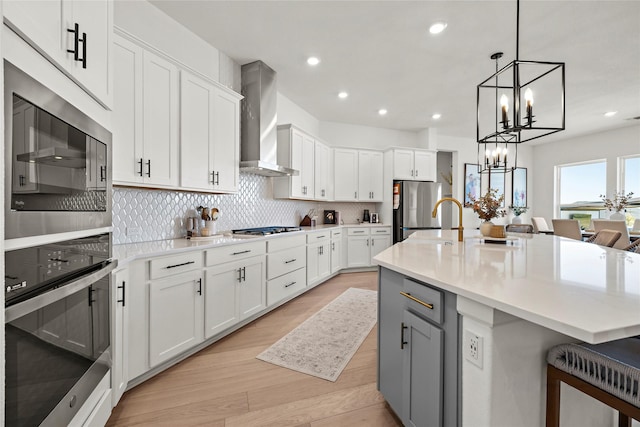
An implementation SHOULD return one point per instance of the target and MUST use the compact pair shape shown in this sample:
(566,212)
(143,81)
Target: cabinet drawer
(426,295)
(380,231)
(281,243)
(285,261)
(231,253)
(360,231)
(318,236)
(336,234)
(288,284)
(175,264)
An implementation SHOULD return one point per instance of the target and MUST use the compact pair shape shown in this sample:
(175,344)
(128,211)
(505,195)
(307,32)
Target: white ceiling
(382,54)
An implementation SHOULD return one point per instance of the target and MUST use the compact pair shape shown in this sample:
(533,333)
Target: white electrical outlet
(133,231)
(473,348)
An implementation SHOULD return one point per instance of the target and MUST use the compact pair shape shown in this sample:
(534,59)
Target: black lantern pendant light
(501,122)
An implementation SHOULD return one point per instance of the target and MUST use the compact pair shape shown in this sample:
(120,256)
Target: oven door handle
(18,310)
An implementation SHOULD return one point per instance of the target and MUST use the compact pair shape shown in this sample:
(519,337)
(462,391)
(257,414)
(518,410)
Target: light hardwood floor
(225,385)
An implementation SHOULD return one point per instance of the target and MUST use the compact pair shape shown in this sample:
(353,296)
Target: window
(579,188)
(630,182)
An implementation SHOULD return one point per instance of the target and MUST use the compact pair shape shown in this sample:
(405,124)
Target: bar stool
(606,238)
(608,372)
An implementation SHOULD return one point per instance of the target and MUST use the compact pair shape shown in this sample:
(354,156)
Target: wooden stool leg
(553,398)
(623,420)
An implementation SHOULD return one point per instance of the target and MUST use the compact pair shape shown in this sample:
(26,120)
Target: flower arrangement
(488,206)
(619,201)
(518,210)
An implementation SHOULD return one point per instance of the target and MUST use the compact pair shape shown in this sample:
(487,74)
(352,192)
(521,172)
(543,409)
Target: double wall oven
(58,254)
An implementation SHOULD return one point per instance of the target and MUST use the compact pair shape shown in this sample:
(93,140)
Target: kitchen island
(517,300)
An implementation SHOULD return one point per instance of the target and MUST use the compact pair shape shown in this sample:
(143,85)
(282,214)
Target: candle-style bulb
(504,103)
(528,97)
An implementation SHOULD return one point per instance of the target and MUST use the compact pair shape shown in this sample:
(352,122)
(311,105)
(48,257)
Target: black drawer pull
(320,237)
(290,261)
(290,284)
(412,298)
(242,252)
(402,341)
(180,265)
(358,231)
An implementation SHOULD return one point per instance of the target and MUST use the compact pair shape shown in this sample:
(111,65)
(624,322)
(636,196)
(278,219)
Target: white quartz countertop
(128,252)
(588,292)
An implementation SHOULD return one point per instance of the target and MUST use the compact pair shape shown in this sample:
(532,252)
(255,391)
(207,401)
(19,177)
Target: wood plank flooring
(225,385)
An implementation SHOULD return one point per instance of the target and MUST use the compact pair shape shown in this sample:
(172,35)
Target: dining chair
(540,225)
(567,228)
(606,238)
(634,247)
(621,226)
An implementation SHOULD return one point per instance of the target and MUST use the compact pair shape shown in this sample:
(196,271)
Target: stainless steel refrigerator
(413,202)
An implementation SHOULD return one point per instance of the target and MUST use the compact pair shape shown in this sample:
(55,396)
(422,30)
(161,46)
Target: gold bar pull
(412,298)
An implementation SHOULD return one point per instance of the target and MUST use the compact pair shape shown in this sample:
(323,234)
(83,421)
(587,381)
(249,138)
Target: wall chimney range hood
(258,137)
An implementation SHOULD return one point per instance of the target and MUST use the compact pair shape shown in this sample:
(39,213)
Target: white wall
(356,136)
(291,113)
(607,145)
(148,23)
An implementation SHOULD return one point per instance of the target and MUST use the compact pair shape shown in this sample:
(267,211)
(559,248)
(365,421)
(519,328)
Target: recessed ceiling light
(343,95)
(438,27)
(436,116)
(610,113)
(382,111)
(312,60)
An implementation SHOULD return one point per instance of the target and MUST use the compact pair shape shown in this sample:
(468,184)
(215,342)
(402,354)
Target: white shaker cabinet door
(252,289)
(160,121)
(175,315)
(425,165)
(127,112)
(221,306)
(196,132)
(345,174)
(226,141)
(403,164)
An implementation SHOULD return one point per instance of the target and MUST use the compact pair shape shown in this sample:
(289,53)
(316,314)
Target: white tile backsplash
(142,215)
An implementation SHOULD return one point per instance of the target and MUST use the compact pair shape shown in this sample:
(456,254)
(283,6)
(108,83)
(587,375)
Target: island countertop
(579,289)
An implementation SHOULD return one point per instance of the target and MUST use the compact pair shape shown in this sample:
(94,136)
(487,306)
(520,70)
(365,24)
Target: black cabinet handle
(140,163)
(358,231)
(290,284)
(290,261)
(149,168)
(76,41)
(199,286)
(180,265)
(213,177)
(355,195)
(123,293)
(244,274)
(91,300)
(239,275)
(402,341)
(84,50)
(103,173)
(217,178)
(242,252)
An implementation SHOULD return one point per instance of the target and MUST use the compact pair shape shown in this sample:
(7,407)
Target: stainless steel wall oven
(57,162)
(58,254)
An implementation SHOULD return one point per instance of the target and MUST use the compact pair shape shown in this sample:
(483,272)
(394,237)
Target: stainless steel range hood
(259,138)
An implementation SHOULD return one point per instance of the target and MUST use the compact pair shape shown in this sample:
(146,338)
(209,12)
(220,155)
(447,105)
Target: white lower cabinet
(119,334)
(175,315)
(336,250)
(286,267)
(318,256)
(364,243)
(233,292)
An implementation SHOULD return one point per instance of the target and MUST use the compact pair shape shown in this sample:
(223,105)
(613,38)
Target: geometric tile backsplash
(142,215)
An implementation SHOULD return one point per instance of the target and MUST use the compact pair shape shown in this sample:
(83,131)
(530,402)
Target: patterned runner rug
(324,343)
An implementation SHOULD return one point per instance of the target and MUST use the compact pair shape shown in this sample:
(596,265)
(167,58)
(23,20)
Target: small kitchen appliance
(366,217)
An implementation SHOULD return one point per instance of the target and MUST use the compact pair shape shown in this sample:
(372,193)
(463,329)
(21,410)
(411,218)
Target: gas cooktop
(264,231)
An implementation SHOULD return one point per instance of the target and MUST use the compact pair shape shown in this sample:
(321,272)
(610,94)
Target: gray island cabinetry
(418,355)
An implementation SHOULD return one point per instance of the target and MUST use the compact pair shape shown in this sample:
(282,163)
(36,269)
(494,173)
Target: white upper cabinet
(321,171)
(209,136)
(296,150)
(75,35)
(145,118)
(345,164)
(416,165)
(370,176)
